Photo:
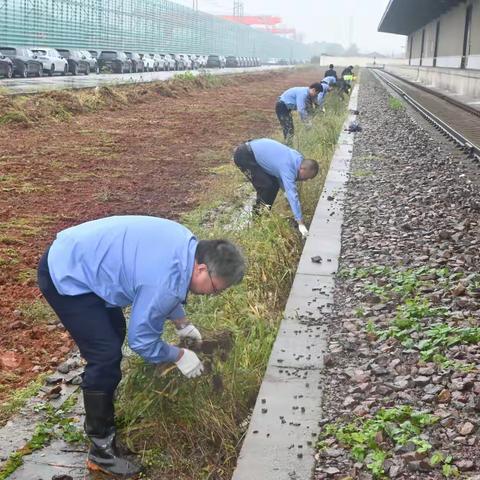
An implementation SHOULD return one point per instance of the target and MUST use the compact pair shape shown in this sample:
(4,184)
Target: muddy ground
(155,156)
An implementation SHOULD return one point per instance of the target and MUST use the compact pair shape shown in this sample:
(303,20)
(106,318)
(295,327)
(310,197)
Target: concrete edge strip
(281,437)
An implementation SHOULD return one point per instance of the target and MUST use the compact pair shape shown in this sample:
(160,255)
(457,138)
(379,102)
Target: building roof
(407,16)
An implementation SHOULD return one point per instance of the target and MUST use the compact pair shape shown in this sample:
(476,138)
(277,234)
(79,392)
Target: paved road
(33,85)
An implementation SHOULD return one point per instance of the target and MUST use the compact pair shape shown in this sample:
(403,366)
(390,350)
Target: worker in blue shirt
(92,270)
(327,84)
(295,98)
(270,165)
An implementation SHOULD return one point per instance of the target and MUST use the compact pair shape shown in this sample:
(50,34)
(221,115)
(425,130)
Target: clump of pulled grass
(192,429)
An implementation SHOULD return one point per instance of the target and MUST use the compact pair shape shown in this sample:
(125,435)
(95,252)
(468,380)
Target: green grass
(191,427)
(19,398)
(396,104)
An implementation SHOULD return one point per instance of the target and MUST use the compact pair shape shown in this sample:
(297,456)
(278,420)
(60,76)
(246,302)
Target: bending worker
(295,98)
(327,84)
(270,165)
(93,270)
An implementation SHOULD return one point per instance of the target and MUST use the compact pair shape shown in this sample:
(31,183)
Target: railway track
(457,121)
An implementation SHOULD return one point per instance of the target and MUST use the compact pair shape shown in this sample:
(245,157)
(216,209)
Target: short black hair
(331,65)
(317,86)
(222,258)
(311,165)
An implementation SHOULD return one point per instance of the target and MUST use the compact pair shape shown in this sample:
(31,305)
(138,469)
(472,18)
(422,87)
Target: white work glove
(190,365)
(190,331)
(303,230)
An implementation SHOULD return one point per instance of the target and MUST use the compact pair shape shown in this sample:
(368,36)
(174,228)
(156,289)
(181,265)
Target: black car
(116,61)
(6,67)
(137,63)
(77,62)
(214,61)
(232,61)
(91,60)
(24,61)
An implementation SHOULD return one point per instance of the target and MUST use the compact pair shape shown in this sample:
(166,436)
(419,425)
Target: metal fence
(138,25)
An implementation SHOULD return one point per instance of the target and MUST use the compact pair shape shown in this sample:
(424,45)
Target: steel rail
(466,145)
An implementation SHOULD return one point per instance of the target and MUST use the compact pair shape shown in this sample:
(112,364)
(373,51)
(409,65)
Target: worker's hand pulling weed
(189,364)
(189,331)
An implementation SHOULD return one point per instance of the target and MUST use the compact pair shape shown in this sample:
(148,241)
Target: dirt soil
(155,156)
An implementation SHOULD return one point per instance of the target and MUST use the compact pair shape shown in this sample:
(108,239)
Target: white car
(168,61)
(148,61)
(186,61)
(51,60)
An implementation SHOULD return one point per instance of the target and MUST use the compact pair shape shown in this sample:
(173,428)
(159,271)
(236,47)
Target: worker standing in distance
(92,270)
(331,72)
(270,165)
(295,98)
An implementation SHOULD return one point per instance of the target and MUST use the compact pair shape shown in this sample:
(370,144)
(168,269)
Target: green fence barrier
(137,25)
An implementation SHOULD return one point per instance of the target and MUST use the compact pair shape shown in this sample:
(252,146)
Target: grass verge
(193,429)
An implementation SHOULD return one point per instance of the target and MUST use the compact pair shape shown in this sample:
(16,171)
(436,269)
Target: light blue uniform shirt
(330,80)
(146,262)
(296,98)
(283,163)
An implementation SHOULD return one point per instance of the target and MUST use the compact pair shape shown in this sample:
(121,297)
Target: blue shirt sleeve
(302,105)
(150,308)
(291,191)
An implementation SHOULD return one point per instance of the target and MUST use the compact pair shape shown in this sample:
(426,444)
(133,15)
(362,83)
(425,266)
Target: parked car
(179,63)
(232,61)
(159,61)
(91,60)
(116,61)
(25,63)
(214,61)
(195,60)
(77,62)
(282,61)
(186,61)
(272,61)
(168,62)
(148,62)
(6,66)
(137,62)
(51,60)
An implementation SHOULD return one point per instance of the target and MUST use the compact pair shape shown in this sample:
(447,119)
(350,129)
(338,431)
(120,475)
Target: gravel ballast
(401,395)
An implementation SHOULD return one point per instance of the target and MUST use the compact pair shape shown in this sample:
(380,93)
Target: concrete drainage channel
(280,441)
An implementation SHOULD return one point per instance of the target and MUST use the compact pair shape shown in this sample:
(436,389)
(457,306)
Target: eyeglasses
(215,291)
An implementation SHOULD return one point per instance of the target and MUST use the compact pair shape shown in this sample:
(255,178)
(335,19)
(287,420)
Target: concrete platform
(280,441)
(461,85)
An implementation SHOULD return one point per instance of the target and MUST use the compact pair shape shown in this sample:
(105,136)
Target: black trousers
(284,116)
(265,185)
(98,331)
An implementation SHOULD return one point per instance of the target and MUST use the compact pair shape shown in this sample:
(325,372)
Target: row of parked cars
(38,61)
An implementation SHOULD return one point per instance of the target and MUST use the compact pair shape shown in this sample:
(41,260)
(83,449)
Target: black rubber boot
(100,428)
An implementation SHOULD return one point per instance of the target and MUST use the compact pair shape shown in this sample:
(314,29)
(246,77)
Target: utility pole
(237,8)
(195,5)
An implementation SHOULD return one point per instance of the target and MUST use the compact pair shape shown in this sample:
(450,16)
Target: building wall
(450,42)
(474,58)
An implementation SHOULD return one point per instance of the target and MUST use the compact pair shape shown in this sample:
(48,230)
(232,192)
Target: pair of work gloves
(189,363)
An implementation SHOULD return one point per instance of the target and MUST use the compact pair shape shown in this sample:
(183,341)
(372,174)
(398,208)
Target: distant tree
(315,60)
(352,50)
(326,48)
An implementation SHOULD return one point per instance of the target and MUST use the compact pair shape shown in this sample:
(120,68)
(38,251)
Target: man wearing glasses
(92,270)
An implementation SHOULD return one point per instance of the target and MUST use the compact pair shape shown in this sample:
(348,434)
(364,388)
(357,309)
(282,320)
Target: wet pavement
(34,85)
(57,457)
(279,444)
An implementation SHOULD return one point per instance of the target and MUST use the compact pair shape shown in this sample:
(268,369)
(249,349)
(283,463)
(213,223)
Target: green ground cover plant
(372,440)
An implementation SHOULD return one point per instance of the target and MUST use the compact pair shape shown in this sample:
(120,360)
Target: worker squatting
(91,271)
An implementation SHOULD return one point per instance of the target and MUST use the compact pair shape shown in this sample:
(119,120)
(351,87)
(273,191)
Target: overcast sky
(322,20)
